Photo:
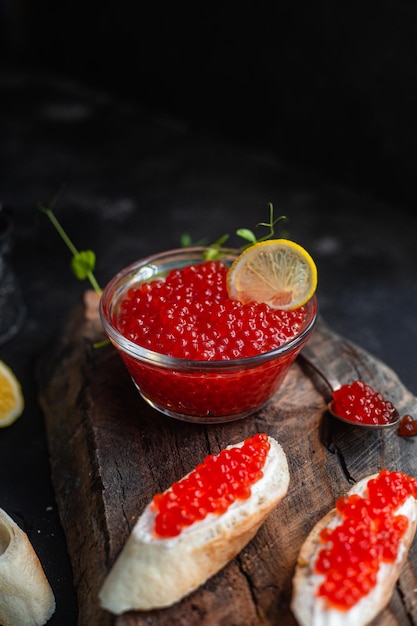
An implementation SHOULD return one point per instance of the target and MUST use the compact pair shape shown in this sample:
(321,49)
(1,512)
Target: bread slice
(26,598)
(151,572)
(311,610)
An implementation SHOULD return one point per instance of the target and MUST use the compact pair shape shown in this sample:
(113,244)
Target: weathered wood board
(110,452)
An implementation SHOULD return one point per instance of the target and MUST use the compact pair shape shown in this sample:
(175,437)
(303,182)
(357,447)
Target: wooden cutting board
(110,452)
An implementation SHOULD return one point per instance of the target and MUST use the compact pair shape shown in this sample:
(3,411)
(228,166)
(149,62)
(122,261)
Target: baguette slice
(153,573)
(26,599)
(311,610)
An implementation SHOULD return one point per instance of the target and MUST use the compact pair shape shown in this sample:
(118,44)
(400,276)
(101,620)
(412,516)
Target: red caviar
(211,487)
(368,535)
(200,337)
(190,315)
(408,426)
(359,403)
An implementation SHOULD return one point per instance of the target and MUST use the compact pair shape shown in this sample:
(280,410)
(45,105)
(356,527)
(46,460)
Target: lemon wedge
(11,396)
(279,272)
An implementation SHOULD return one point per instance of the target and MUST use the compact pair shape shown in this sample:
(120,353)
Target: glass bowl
(196,391)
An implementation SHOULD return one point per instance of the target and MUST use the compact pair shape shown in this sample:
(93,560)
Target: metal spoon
(310,357)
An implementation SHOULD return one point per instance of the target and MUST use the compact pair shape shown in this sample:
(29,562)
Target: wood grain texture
(110,452)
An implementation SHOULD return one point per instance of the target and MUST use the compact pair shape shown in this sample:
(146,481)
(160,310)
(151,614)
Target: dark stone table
(131,183)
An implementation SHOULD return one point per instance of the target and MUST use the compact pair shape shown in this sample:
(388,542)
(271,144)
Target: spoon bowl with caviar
(356,403)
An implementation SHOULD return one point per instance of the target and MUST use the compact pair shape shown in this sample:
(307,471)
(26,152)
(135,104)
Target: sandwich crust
(311,610)
(154,573)
(26,598)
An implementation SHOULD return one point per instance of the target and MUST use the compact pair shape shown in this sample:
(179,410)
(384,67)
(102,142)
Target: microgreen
(218,248)
(83,261)
(250,236)
(187,242)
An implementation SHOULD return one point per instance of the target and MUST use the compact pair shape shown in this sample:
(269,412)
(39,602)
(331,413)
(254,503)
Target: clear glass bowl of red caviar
(194,354)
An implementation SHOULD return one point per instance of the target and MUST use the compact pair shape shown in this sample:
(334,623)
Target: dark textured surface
(113,453)
(132,184)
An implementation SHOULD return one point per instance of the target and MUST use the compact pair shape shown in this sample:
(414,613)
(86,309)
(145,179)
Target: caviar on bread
(351,560)
(192,530)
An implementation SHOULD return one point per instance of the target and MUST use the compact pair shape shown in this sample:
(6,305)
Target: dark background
(330,87)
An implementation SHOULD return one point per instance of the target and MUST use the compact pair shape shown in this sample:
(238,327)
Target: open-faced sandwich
(192,530)
(351,560)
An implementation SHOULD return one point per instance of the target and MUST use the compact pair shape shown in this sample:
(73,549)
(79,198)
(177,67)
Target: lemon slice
(11,396)
(278,272)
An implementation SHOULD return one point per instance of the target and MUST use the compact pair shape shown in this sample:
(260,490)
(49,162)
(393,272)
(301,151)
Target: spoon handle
(310,356)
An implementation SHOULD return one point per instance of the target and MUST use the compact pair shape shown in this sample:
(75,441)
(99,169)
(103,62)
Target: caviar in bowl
(192,352)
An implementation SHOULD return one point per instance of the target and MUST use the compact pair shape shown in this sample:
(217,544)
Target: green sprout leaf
(217,249)
(186,241)
(83,264)
(247,234)
(212,253)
